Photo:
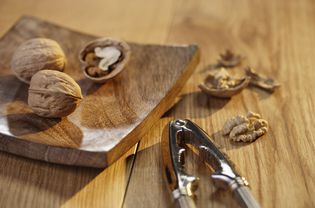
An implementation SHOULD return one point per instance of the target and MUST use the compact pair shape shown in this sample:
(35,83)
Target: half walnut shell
(222,85)
(104,58)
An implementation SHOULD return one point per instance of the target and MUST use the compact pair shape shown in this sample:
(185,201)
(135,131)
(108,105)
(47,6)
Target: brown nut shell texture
(229,59)
(53,94)
(221,84)
(35,55)
(104,58)
(260,81)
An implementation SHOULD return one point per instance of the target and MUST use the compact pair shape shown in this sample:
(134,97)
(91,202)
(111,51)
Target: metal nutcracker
(176,136)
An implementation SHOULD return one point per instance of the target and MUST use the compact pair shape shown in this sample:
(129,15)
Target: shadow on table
(225,143)
(21,177)
(196,105)
(12,89)
(262,94)
(148,187)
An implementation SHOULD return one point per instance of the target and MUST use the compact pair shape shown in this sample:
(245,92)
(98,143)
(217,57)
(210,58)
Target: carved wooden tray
(111,118)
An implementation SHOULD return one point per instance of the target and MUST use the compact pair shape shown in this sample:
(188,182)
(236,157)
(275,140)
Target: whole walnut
(35,55)
(53,94)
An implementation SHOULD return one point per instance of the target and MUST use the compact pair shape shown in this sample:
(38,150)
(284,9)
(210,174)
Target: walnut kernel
(245,129)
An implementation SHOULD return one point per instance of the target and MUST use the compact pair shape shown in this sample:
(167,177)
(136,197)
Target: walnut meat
(53,94)
(104,58)
(35,55)
(245,129)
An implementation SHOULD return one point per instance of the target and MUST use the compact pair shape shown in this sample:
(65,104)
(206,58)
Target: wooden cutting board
(111,117)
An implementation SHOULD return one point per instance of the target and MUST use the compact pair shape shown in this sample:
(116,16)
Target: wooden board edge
(52,154)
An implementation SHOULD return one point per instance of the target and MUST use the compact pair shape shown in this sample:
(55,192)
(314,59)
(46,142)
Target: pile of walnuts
(40,62)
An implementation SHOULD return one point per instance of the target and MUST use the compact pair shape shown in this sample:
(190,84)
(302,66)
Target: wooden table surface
(277,37)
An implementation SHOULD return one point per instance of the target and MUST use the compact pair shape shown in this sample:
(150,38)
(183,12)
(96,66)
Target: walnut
(245,129)
(53,94)
(229,59)
(104,58)
(261,81)
(221,84)
(35,55)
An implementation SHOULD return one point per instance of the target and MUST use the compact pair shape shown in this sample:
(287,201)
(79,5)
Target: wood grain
(276,36)
(108,188)
(110,119)
(30,183)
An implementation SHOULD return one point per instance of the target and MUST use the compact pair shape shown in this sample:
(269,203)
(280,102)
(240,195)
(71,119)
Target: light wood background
(278,38)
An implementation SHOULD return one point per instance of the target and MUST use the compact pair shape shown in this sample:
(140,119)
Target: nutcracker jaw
(181,184)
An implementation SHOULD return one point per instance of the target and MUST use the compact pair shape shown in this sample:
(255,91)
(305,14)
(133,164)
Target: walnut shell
(222,85)
(35,55)
(90,62)
(53,94)
(229,59)
(225,93)
(260,81)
